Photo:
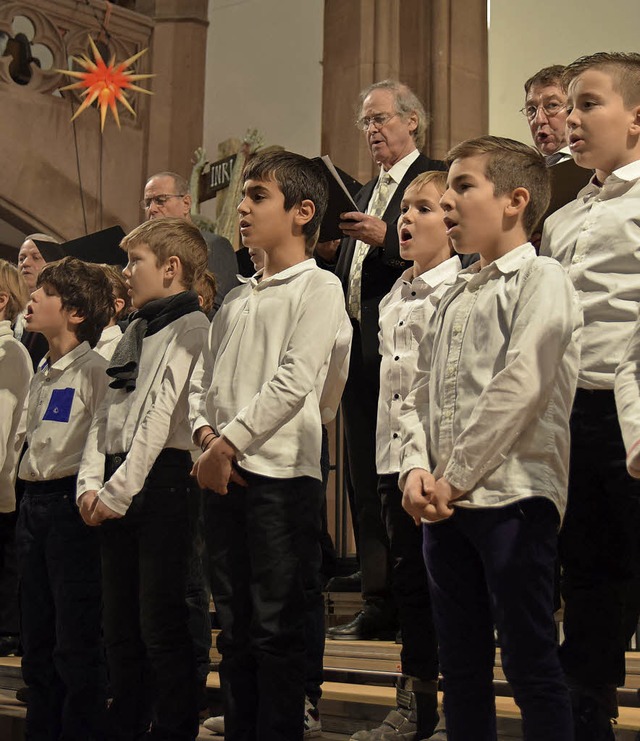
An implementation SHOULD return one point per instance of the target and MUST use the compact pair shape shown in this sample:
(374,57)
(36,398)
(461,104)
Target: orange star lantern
(105,83)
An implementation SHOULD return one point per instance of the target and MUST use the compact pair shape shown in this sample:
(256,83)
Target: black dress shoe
(351,583)
(364,627)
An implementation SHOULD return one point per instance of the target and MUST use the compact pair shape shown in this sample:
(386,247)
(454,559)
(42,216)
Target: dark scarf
(148,320)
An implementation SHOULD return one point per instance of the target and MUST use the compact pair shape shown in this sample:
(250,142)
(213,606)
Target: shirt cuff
(114,502)
(197,425)
(408,464)
(238,435)
(633,460)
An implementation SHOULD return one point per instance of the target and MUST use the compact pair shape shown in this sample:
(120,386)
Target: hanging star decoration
(105,83)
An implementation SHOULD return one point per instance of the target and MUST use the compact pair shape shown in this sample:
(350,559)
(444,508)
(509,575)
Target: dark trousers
(494,567)
(409,583)
(149,650)
(63,661)
(599,546)
(197,587)
(263,544)
(359,407)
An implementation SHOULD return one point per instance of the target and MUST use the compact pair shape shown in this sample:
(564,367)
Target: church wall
(524,37)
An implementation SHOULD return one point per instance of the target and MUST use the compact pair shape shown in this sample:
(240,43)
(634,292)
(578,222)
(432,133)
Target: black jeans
(149,649)
(263,544)
(409,583)
(599,546)
(63,662)
(494,567)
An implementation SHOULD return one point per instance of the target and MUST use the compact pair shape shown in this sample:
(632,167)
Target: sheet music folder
(342,189)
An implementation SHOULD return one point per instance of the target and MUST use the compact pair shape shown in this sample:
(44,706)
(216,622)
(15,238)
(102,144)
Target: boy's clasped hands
(214,468)
(424,498)
(94,511)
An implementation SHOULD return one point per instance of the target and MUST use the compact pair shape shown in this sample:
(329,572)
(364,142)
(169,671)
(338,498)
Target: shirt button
(400,324)
(413,293)
(396,396)
(395,435)
(397,357)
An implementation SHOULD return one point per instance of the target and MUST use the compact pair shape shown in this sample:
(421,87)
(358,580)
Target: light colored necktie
(378,207)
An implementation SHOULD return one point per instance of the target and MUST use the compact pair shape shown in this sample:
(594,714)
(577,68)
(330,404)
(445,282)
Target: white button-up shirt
(62,402)
(495,384)
(404,315)
(627,388)
(15,375)
(143,422)
(262,379)
(596,238)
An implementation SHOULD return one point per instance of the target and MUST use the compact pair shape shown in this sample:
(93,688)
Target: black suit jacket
(383,265)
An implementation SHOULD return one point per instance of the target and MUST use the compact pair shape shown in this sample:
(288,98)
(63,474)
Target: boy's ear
(172,267)
(634,129)
(119,306)
(518,202)
(4,300)
(74,317)
(305,211)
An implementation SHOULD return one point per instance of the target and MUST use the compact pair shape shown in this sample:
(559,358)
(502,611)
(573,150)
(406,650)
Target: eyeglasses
(160,200)
(379,120)
(550,108)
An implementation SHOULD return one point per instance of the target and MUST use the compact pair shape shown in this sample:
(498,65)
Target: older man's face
(547,103)
(164,200)
(393,140)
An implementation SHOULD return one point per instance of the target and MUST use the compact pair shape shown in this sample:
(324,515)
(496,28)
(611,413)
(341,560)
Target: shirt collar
(66,360)
(5,328)
(284,276)
(108,333)
(509,263)
(626,172)
(434,277)
(399,170)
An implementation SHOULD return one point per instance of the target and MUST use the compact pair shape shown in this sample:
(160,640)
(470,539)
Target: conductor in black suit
(368,262)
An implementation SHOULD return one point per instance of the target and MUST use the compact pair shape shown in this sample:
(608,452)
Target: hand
(102,512)
(214,468)
(418,487)
(327,250)
(86,503)
(438,507)
(368,229)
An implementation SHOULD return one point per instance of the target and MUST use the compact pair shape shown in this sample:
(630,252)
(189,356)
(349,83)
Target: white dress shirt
(62,402)
(627,388)
(396,173)
(15,375)
(404,315)
(108,341)
(148,419)
(261,380)
(596,238)
(495,383)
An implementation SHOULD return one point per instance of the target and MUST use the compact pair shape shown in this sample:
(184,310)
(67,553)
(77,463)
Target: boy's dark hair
(510,165)
(119,288)
(299,179)
(83,287)
(546,76)
(623,68)
(171,237)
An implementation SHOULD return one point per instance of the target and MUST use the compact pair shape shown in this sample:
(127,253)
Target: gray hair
(40,238)
(406,102)
(179,183)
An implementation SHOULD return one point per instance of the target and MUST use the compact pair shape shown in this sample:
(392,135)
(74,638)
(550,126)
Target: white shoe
(215,724)
(312,724)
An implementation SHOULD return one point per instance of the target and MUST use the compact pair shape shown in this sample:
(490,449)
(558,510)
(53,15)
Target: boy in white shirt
(627,392)
(112,333)
(404,317)
(256,413)
(58,555)
(135,482)
(485,444)
(596,238)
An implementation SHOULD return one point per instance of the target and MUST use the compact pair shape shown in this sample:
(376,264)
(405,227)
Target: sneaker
(312,724)
(215,725)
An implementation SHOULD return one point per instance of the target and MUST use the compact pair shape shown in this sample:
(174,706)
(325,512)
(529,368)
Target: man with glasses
(167,194)
(545,108)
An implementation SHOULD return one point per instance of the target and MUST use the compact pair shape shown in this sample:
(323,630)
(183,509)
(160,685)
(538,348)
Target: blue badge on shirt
(59,408)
